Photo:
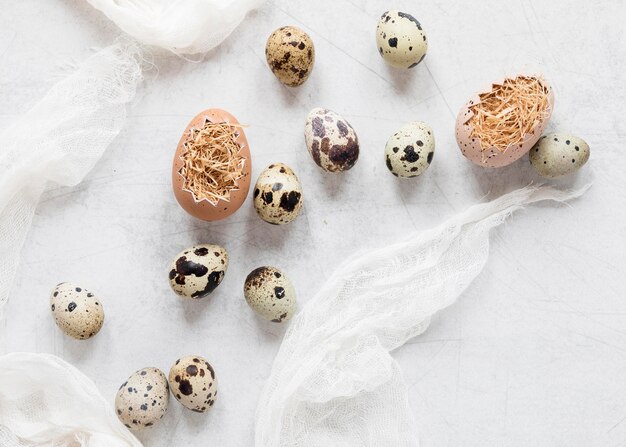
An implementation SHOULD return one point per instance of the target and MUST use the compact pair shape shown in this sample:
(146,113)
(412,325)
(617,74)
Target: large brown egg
(211,168)
(513,114)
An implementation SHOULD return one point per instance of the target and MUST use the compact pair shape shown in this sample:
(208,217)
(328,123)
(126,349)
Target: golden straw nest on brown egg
(212,163)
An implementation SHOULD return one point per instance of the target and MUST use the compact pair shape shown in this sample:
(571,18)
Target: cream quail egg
(193,383)
(401,40)
(270,294)
(290,54)
(198,270)
(76,311)
(278,194)
(142,400)
(556,155)
(409,151)
(331,140)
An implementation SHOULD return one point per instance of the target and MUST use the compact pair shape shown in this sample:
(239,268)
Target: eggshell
(270,294)
(76,311)
(493,157)
(556,155)
(278,194)
(142,400)
(290,54)
(198,270)
(331,140)
(193,383)
(409,151)
(204,209)
(400,39)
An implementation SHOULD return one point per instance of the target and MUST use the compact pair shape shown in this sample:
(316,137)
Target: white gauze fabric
(184,27)
(45,401)
(334,382)
(59,140)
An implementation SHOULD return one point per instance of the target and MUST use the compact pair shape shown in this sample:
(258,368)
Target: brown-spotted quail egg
(142,400)
(198,270)
(270,294)
(401,40)
(331,140)
(556,155)
(409,151)
(193,384)
(278,194)
(76,311)
(290,54)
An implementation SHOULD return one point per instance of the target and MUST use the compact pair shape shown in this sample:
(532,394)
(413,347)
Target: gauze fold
(334,382)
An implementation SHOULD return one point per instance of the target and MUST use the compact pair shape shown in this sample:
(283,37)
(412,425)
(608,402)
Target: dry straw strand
(503,116)
(212,165)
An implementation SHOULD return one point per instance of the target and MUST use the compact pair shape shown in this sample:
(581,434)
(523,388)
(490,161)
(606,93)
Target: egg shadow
(75,351)
(409,188)
(332,182)
(195,309)
(494,182)
(290,95)
(402,79)
(261,235)
(269,330)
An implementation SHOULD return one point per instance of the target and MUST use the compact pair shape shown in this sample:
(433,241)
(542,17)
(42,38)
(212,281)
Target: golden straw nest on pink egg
(496,127)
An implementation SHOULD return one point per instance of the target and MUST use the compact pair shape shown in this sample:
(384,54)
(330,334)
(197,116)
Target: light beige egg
(400,39)
(290,55)
(556,155)
(270,294)
(331,140)
(193,383)
(142,400)
(409,151)
(278,194)
(76,311)
(198,270)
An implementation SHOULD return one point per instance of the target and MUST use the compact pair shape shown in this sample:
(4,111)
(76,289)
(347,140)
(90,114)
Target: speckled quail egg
(193,384)
(77,311)
(290,54)
(556,155)
(278,194)
(270,294)
(142,400)
(409,151)
(198,270)
(401,40)
(331,140)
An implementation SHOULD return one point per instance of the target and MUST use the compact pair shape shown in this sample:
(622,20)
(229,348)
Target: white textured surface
(533,354)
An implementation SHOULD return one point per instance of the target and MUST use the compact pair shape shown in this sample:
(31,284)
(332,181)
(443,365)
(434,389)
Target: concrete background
(534,353)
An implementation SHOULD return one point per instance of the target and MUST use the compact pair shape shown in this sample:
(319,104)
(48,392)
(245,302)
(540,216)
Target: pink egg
(494,157)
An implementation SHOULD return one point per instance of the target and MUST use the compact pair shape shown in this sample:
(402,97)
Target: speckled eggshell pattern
(290,55)
(331,140)
(198,270)
(400,39)
(142,400)
(278,194)
(270,294)
(193,383)
(409,151)
(556,155)
(76,311)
